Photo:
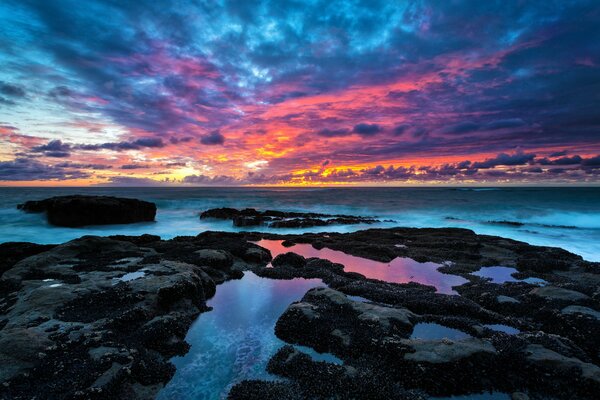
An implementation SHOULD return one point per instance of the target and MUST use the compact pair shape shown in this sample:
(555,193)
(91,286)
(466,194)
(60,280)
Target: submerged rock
(79,210)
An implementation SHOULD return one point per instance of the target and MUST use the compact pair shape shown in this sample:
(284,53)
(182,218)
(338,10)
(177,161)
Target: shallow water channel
(235,340)
(399,270)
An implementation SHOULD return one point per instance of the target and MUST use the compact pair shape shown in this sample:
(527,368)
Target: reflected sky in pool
(399,270)
(500,275)
(433,331)
(235,340)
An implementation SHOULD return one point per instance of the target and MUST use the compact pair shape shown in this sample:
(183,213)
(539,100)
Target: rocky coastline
(283,219)
(100,317)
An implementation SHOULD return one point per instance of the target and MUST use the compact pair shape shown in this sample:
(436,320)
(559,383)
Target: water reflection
(399,270)
(432,331)
(503,328)
(505,274)
(235,340)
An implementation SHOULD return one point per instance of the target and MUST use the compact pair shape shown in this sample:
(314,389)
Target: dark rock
(76,329)
(78,210)
(282,219)
(289,259)
(244,220)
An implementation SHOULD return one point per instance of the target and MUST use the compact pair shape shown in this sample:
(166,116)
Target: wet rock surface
(73,327)
(282,219)
(552,353)
(79,210)
(100,317)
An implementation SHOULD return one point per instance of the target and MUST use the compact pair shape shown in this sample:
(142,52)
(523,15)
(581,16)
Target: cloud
(559,153)
(505,123)
(11,90)
(400,129)
(591,162)
(25,169)
(561,161)
(207,180)
(134,166)
(518,158)
(462,127)
(326,132)
(137,144)
(130,181)
(213,138)
(366,129)
(54,148)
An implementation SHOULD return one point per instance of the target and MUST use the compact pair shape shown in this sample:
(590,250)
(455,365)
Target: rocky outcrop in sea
(78,210)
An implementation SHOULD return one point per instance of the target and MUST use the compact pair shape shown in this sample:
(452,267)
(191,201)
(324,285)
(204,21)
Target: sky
(287,92)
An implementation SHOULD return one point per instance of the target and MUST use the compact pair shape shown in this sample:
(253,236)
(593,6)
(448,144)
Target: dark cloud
(591,162)
(518,158)
(400,129)
(561,161)
(11,90)
(366,129)
(504,123)
(213,138)
(25,169)
(207,180)
(559,153)
(147,142)
(462,127)
(54,148)
(333,132)
(134,166)
(130,181)
(83,166)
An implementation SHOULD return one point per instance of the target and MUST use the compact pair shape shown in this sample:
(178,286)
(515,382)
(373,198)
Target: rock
(282,219)
(72,325)
(506,299)
(257,255)
(78,210)
(519,396)
(214,258)
(570,310)
(551,360)
(446,351)
(289,259)
(243,220)
(557,293)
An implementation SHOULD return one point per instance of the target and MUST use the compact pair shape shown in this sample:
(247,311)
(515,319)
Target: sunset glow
(288,93)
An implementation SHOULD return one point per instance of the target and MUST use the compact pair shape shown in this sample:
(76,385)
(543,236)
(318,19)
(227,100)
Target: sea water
(562,217)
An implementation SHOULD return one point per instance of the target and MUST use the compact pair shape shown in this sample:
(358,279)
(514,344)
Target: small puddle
(316,356)
(477,396)
(433,331)
(505,274)
(399,270)
(236,339)
(503,328)
(131,276)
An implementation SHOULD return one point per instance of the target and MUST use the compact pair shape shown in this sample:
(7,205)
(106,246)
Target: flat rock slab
(445,351)
(74,211)
(557,293)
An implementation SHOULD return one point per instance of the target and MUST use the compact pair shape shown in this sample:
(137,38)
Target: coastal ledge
(80,210)
(283,219)
(100,318)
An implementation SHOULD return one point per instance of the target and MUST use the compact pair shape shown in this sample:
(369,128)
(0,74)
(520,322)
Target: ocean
(562,217)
